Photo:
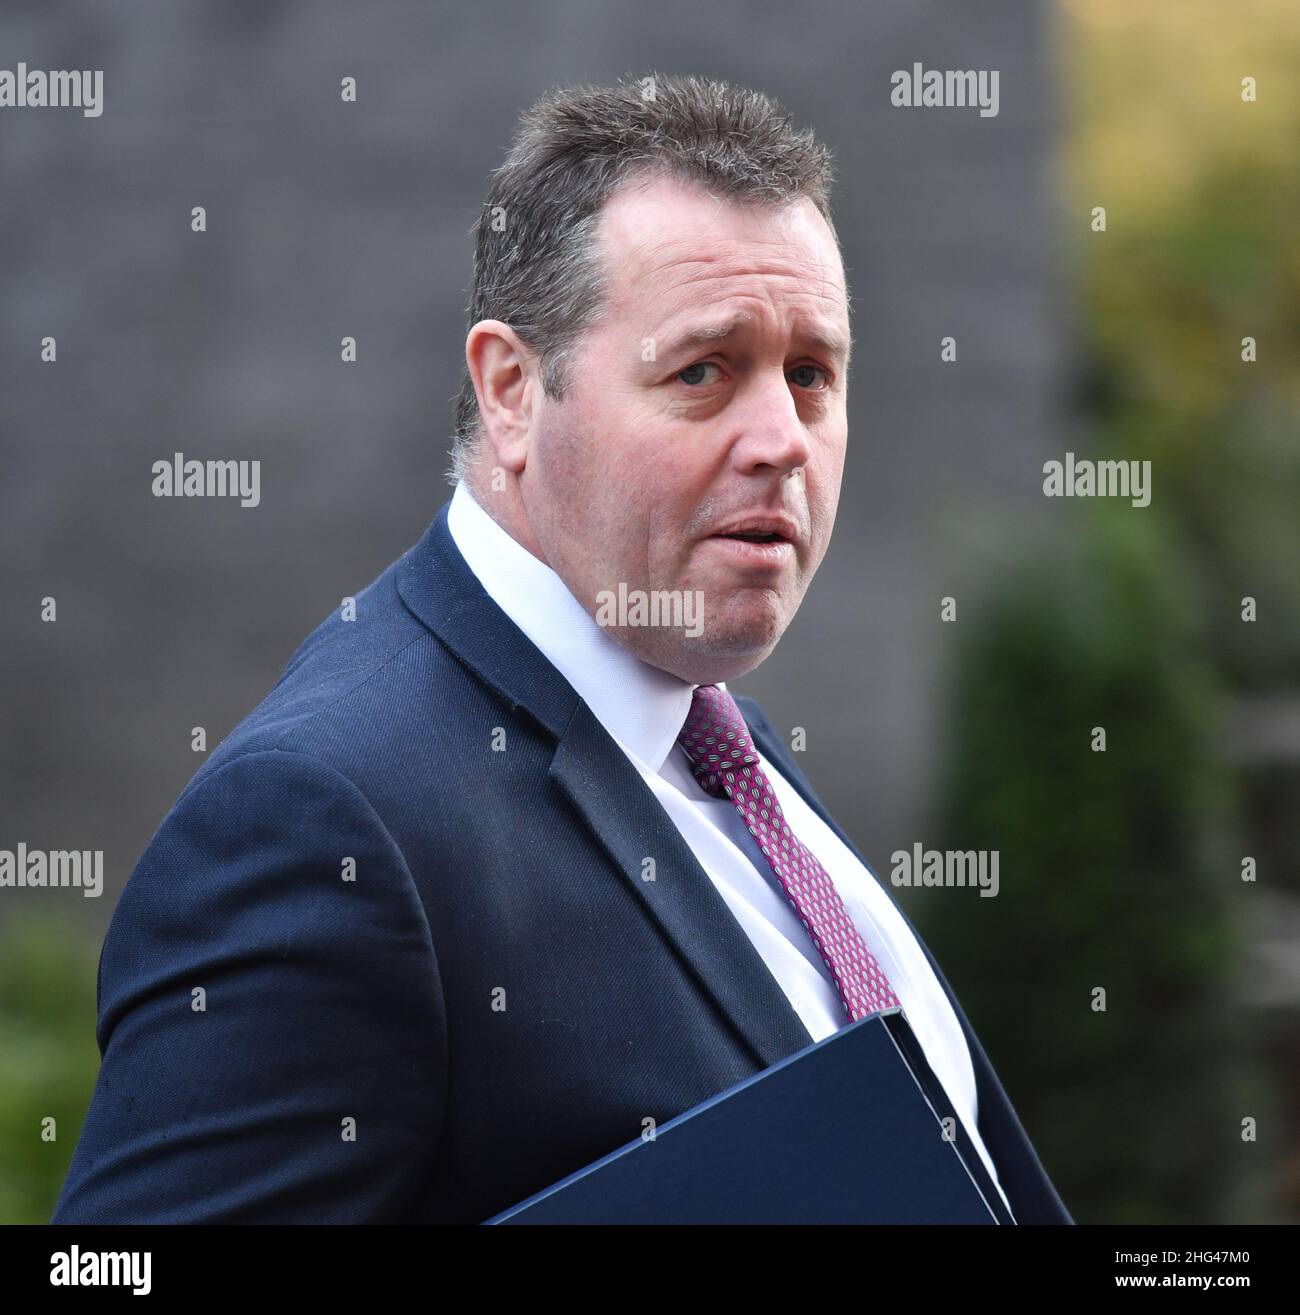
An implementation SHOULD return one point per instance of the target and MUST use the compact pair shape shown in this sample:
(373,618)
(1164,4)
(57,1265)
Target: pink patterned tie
(725,763)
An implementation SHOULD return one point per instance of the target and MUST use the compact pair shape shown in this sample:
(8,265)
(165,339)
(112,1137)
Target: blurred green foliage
(48,1057)
(1115,870)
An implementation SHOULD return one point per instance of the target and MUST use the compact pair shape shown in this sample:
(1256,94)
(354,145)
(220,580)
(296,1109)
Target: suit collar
(440,589)
(642,707)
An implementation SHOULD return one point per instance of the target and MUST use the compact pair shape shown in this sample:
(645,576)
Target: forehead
(672,251)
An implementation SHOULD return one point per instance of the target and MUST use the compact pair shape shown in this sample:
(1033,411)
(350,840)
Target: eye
(814,369)
(690,369)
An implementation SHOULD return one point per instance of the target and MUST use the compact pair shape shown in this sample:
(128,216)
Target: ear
(504,371)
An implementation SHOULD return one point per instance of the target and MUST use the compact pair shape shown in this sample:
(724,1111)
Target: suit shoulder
(361,679)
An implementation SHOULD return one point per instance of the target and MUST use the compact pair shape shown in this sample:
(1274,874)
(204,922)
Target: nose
(772,436)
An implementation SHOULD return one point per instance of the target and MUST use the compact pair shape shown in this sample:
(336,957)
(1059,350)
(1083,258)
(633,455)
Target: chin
(730,643)
(754,626)
(728,652)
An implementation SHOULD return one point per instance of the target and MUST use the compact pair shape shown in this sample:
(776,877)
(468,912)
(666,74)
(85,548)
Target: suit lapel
(1033,1197)
(631,824)
(775,751)
(600,782)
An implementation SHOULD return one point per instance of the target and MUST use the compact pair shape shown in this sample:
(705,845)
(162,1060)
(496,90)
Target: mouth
(760,528)
(770,537)
(764,542)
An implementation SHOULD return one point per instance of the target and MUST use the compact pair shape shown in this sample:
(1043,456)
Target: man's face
(663,448)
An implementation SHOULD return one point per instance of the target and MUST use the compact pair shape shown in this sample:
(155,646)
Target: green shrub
(48,1057)
(1116,871)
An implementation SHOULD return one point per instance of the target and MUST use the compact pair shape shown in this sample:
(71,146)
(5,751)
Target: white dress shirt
(644,709)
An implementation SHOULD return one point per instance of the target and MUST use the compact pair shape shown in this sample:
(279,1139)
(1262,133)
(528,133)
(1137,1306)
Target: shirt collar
(642,707)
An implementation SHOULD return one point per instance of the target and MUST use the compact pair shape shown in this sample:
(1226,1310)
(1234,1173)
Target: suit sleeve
(273,1035)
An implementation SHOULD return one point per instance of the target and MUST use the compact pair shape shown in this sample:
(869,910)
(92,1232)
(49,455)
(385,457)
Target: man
(497,873)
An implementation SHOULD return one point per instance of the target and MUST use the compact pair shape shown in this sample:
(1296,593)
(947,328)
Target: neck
(506,507)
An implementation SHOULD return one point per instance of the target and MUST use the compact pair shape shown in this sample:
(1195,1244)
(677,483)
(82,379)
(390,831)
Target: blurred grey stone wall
(327,219)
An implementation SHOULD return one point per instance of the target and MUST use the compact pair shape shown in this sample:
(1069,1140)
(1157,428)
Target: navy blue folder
(850,1129)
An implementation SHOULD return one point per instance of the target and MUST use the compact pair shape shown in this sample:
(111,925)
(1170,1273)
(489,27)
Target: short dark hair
(535,256)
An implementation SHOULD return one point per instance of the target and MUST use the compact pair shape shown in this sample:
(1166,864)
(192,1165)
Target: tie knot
(715,737)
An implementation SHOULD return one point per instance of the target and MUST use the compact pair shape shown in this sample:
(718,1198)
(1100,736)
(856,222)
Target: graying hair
(536,262)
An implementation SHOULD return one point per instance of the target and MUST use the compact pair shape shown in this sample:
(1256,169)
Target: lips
(759,529)
(758,545)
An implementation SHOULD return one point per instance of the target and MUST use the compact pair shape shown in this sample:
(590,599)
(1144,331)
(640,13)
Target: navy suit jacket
(372,968)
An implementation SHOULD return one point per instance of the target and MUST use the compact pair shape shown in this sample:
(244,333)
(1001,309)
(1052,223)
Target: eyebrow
(829,341)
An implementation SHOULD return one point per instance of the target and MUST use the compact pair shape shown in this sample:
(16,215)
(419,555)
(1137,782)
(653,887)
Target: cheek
(576,460)
(828,470)
(828,494)
(823,494)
